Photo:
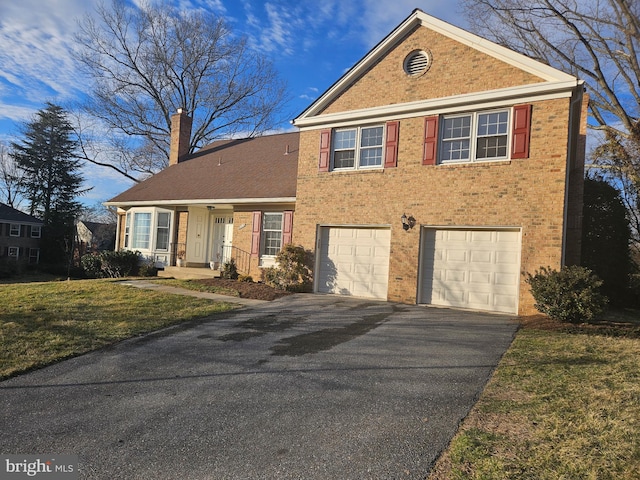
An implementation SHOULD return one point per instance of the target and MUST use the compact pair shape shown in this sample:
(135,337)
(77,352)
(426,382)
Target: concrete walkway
(248,302)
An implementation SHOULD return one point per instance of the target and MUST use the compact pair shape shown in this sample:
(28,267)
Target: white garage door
(354,261)
(478,269)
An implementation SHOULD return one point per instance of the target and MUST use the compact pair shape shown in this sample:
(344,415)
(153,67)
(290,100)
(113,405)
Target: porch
(188,273)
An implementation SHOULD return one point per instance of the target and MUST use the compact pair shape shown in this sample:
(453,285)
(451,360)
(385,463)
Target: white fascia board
(545,72)
(507,55)
(438,106)
(217,201)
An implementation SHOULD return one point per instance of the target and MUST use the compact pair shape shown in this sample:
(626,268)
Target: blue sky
(311,42)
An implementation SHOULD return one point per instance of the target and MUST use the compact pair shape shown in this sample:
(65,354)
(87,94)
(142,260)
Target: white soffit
(419,18)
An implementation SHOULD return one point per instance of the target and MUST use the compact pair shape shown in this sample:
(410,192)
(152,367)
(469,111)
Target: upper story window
(356,148)
(359,148)
(36,231)
(477,136)
(14,230)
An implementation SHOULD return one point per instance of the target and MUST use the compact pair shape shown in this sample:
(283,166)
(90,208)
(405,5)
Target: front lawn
(564,403)
(41,323)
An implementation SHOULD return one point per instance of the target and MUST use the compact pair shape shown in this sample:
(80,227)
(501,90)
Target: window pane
(272,242)
(162,233)
(457,127)
(344,159)
(370,157)
(371,137)
(492,147)
(455,150)
(273,221)
(493,123)
(344,139)
(141,230)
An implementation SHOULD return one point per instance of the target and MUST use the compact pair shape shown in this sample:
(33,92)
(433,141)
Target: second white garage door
(478,269)
(354,261)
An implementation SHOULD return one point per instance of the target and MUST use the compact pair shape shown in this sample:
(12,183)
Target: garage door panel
(359,258)
(476,269)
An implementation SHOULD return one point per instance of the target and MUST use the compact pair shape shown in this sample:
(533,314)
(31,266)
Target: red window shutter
(521,131)
(325,150)
(255,233)
(287,227)
(391,150)
(430,141)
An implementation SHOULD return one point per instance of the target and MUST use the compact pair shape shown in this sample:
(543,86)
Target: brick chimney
(180,136)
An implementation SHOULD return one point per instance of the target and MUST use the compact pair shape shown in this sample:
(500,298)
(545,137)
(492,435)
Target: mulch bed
(256,291)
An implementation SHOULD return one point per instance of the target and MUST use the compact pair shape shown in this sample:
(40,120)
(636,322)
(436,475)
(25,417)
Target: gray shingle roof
(11,215)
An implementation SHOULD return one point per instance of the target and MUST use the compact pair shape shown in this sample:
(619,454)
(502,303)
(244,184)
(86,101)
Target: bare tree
(147,61)
(10,179)
(596,40)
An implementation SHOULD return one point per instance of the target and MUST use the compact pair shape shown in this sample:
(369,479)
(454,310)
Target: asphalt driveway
(306,387)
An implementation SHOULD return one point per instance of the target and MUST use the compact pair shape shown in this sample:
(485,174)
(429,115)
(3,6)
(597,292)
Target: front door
(222,238)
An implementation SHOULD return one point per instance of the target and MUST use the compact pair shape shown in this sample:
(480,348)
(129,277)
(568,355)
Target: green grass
(564,403)
(41,323)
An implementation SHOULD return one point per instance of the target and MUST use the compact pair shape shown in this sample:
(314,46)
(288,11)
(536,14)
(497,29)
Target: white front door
(197,235)
(222,237)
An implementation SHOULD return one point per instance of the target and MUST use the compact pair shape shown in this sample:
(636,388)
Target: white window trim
(473,138)
(34,229)
(270,259)
(157,227)
(130,230)
(356,160)
(16,251)
(12,227)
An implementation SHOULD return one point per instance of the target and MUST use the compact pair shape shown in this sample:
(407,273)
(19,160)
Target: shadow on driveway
(308,386)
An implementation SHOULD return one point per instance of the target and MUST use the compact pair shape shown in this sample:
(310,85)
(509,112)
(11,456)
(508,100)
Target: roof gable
(454,45)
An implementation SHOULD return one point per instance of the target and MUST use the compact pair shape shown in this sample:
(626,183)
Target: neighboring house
(93,237)
(19,235)
(437,171)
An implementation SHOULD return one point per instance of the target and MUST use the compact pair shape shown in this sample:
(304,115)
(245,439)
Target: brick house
(231,199)
(436,171)
(19,235)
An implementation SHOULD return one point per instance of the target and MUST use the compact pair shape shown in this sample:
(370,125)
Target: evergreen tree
(52,180)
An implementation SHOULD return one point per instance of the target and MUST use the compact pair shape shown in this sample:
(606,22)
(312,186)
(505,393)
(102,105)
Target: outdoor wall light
(407,222)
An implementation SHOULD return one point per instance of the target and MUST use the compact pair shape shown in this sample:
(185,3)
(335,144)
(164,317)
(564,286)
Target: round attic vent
(417,63)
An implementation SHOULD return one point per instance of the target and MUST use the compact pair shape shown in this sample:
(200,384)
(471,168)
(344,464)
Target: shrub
(148,269)
(245,278)
(92,265)
(293,272)
(111,264)
(230,270)
(569,295)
